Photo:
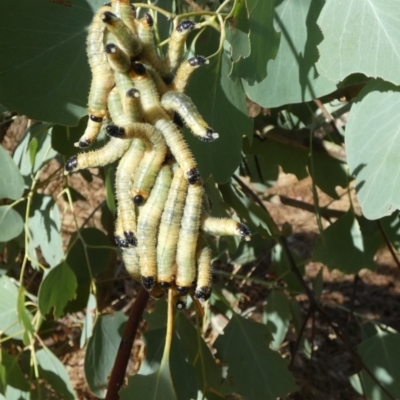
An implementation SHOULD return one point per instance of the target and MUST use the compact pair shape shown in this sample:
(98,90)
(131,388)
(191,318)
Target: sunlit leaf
(24,317)
(87,329)
(11,182)
(11,223)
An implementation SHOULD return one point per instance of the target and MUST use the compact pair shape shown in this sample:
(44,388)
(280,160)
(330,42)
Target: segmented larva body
(183,105)
(102,80)
(155,114)
(125,38)
(148,221)
(187,240)
(126,209)
(124,84)
(224,227)
(176,45)
(185,71)
(126,11)
(131,261)
(169,229)
(118,60)
(204,271)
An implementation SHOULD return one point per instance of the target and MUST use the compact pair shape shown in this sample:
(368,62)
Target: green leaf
(342,246)
(44,57)
(362,39)
(24,317)
(33,147)
(9,321)
(102,350)
(380,354)
(217,96)
(264,41)
(109,172)
(56,289)
(87,329)
(11,223)
(292,76)
(53,371)
(372,141)
(45,229)
(11,181)
(16,385)
(255,371)
(277,315)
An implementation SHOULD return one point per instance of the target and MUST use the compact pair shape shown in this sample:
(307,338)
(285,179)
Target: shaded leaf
(87,329)
(53,371)
(45,58)
(16,385)
(11,223)
(57,287)
(9,321)
(379,353)
(292,77)
(342,246)
(372,146)
(254,370)
(11,181)
(45,229)
(101,351)
(362,39)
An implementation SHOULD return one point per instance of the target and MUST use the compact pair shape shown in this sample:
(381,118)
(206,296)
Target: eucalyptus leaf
(15,382)
(11,181)
(11,223)
(87,329)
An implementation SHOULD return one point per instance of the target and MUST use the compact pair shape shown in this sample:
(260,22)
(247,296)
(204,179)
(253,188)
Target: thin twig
(300,336)
(125,346)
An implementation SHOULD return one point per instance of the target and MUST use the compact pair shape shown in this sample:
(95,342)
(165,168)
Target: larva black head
(115,131)
(211,135)
(94,118)
(108,17)
(180,305)
(110,48)
(165,285)
(84,143)
(193,176)
(178,121)
(243,229)
(197,61)
(203,293)
(133,93)
(130,237)
(148,282)
(71,164)
(149,19)
(121,243)
(185,25)
(139,68)
(138,199)
(183,290)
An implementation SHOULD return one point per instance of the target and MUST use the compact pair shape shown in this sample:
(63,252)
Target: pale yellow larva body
(183,105)
(185,71)
(148,221)
(170,226)
(118,60)
(187,240)
(102,79)
(155,115)
(204,271)
(126,11)
(224,227)
(127,40)
(131,261)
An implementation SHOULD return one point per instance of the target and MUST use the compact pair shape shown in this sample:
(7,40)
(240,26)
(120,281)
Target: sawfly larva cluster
(161,223)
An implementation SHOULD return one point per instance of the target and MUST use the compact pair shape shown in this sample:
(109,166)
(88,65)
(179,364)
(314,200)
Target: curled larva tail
(224,227)
(148,221)
(185,71)
(169,228)
(127,40)
(204,271)
(183,105)
(187,241)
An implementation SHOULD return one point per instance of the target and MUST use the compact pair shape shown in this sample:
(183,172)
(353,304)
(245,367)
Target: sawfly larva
(127,40)
(187,240)
(204,271)
(117,59)
(126,11)
(131,261)
(155,115)
(102,80)
(148,220)
(224,227)
(185,71)
(183,105)
(180,302)
(126,209)
(170,226)
(119,236)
